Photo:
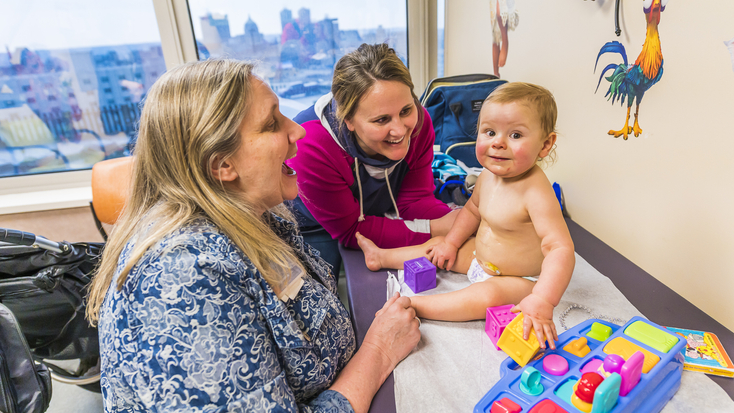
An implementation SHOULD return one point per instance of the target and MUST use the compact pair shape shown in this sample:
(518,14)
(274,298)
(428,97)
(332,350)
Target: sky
(59,24)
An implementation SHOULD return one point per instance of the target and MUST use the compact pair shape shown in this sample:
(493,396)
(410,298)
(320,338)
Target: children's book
(704,353)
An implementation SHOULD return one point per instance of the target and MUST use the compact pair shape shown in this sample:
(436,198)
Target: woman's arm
(391,337)
(416,199)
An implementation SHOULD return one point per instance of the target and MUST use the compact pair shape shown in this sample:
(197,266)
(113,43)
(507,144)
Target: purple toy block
(497,319)
(419,274)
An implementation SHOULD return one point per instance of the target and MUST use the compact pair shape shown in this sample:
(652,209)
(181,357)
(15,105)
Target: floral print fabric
(196,328)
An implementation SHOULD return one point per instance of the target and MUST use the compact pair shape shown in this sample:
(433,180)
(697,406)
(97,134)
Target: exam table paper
(455,363)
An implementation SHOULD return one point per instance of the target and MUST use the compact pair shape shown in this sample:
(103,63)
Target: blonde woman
(207,299)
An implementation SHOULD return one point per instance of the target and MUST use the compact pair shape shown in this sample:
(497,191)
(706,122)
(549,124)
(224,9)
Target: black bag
(24,385)
(454,103)
(46,291)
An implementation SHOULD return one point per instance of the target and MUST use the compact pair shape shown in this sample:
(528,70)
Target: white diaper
(477,274)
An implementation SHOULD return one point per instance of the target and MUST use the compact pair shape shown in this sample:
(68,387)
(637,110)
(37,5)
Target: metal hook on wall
(617,30)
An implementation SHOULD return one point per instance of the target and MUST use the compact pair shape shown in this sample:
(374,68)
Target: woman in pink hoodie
(365,163)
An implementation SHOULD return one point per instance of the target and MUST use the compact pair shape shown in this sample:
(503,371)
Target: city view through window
(74,74)
(297,43)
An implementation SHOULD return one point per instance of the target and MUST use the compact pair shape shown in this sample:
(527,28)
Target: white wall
(664,200)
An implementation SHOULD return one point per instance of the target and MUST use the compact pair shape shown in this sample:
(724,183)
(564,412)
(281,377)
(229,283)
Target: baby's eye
(515,135)
(490,133)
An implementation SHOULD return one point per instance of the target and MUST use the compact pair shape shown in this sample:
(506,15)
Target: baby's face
(510,139)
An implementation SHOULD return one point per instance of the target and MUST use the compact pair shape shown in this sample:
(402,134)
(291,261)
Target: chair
(110,188)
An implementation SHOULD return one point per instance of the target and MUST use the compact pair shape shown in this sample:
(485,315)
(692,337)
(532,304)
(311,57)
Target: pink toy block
(631,372)
(497,319)
(419,274)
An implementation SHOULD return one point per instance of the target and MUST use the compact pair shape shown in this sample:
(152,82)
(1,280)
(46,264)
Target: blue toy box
(659,378)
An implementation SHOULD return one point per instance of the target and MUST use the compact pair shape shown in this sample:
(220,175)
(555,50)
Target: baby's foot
(371,252)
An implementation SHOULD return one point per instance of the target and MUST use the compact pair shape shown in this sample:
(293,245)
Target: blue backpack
(454,103)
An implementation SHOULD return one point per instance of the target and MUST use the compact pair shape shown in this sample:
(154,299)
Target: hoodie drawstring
(389,190)
(359,184)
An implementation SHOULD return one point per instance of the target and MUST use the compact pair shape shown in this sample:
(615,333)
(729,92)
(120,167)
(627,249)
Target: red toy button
(547,406)
(587,386)
(505,405)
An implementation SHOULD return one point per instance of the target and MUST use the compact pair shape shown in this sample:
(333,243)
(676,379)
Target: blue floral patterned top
(196,328)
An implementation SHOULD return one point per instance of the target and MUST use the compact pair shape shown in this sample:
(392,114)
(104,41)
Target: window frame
(58,190)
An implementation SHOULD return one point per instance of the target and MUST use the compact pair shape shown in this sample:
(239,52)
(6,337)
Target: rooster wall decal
(631,82)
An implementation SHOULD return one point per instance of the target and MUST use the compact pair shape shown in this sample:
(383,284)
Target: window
(55,117)
(297,43)
(88,44)
(441,12)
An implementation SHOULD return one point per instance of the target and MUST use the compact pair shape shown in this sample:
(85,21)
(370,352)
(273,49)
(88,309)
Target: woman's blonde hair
(356,72)
(537,98)
(191,117)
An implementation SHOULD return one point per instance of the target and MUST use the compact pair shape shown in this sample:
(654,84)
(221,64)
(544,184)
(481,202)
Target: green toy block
(599,332)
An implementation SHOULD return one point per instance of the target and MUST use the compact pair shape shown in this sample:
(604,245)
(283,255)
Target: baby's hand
(538,314)
(440,253)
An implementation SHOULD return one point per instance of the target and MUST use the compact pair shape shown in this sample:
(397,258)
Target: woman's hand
(394,332)
(443,255)
(538,315)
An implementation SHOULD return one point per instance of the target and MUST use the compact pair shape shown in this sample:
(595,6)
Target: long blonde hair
(191,116)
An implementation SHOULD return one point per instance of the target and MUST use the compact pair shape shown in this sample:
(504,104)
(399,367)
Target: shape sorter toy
(497,319)
(636,368)
(419,274)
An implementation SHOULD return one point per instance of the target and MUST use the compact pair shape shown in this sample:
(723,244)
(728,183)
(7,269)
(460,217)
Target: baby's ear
(547,145)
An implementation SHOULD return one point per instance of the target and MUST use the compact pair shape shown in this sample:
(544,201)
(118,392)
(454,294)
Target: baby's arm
(464,226)
(557,247)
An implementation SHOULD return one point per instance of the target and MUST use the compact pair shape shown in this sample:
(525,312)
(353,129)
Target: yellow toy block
(626,349)
(512,343)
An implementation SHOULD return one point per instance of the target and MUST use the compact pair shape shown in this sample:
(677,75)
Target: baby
(522,253)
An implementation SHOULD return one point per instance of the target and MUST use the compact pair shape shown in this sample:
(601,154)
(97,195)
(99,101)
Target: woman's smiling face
(268,140)
(384,120)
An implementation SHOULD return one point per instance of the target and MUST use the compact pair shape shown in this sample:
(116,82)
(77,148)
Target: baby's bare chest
(503,209)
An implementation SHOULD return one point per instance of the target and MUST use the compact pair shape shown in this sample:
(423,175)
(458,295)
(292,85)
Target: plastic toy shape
(497,319)
(613,364)
(599,332)
(530,382)
(505,405)
(547,406)
(512,343)
(592,365)
(419,274)
(631,372)
(607,394)
(653,337)
(565,391)
(651,393)
(626,349)
(555,365)
(580,404)
(587,386)
(578,347)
